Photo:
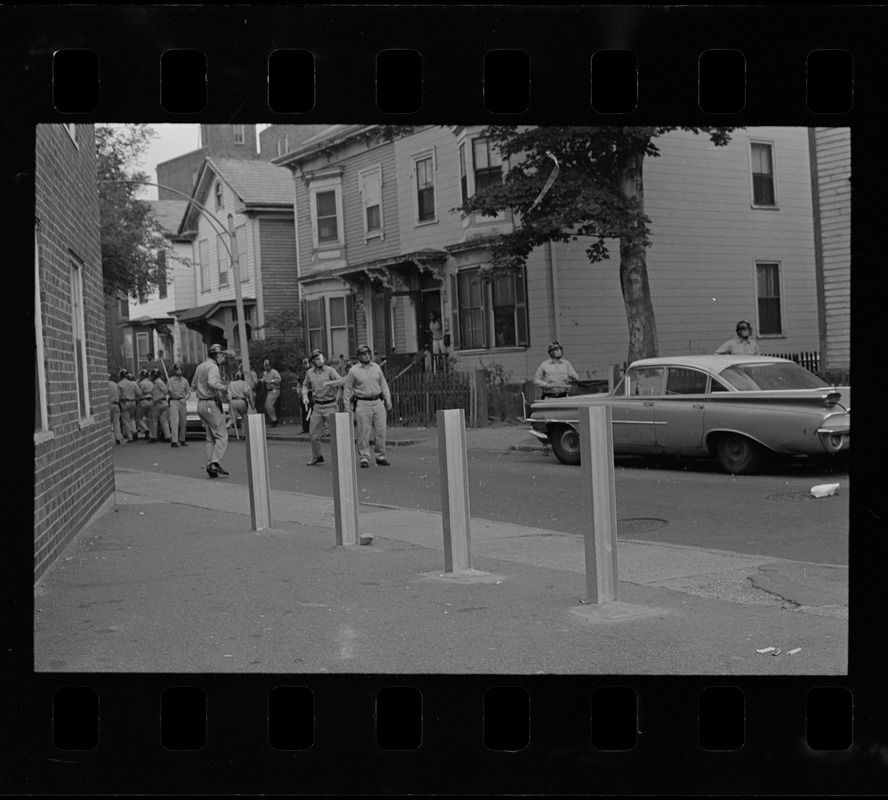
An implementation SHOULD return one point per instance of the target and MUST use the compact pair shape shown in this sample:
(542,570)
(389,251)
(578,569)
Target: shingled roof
(256,182)
(168,213)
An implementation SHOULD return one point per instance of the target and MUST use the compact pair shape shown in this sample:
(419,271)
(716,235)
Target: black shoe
(365,464)
(381,462)
(152,441)
(212,472)
(315,461)
(174,444)
(183,444)
(218,467)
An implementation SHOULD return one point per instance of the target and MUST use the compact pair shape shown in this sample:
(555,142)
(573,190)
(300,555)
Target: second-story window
(222,254)
(325,205)
(239,134)
(370,182)
(463,173)
(328,221)
(487,164)
(425,188)
(203,255)
(763,189)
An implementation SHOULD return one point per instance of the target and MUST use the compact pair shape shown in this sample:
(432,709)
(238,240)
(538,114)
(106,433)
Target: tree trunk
(633,269)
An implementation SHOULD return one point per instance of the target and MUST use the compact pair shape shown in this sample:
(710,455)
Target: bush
(500,393)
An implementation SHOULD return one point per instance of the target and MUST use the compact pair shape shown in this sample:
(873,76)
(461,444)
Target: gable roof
(168,213)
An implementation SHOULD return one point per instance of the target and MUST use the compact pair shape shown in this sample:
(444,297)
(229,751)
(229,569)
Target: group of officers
(156,408)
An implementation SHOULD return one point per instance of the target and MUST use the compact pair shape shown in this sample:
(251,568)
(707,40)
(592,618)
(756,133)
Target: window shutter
(486,303)
(454,304)
(521,322)
(350,322)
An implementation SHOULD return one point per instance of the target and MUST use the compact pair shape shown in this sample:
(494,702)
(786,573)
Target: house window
(370,184)
(343,336)
(770,315)
(315,323)
(240,234)
(41,415)
(463,173)
(424,169)
(203,249)
(78,325)
(487,164)
(161,275)
(218,191)
(222,254)
(239,136)
(491,314)
(326,217)
(763,191)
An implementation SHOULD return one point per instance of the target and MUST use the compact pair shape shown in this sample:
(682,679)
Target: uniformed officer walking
(143,410)
(207,383)
(556,374)
(240,398)
(130,394)
(321,384)
(180,391)
(114,407)
(159,422)
(366,388)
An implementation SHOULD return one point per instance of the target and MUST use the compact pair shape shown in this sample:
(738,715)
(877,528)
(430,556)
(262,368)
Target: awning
(432,260)
(205,312)
(145,321)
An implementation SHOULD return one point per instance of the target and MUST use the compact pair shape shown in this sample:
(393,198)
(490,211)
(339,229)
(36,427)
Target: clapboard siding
(833,157)
(280,290)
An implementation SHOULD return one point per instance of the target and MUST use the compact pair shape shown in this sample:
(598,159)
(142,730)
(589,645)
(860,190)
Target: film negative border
(785,744)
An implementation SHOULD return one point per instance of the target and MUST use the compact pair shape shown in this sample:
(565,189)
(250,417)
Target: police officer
(272,380)
(114,407)
(321,384)
(742,344)
(130,394)
(366,388)
(180,391)
(555,375)
(207,383)
(143,410)
(160,408)
(240,398)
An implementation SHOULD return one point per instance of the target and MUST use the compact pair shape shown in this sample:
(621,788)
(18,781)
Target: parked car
(737,409)
(193,424)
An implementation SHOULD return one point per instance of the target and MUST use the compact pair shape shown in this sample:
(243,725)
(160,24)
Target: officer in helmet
(743,343)
(207,383)
(556,374)
(130,393)
(159,424)
(143,410)
(366,387)
(320,394)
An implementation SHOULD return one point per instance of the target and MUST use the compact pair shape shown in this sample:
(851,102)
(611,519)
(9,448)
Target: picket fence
(418,396)
(810,360)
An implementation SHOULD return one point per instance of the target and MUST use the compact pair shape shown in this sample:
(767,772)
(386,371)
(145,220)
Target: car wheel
(738,455)
(566,445)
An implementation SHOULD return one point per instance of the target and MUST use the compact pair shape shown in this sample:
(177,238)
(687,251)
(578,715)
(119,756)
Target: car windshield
(756,377)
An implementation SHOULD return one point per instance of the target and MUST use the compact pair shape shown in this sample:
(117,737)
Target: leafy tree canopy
(135,252)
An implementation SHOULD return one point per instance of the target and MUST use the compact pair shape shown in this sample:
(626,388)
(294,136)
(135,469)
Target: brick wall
(73,470)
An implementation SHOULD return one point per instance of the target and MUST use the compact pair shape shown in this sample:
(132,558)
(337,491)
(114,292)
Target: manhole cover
(786,496)
(640,524)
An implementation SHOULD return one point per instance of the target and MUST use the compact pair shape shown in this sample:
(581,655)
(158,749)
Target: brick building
(73,470)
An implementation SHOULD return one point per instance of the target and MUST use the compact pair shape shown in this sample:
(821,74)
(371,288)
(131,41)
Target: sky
(172,139)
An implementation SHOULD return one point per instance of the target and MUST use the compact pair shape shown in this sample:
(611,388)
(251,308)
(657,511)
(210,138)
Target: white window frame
(44,434)
(468,142)
(331,327)
(203,259)
(780,283)
(773,146)
(415,159)
(240,135)
(78,329)
(320,186)
(362,177)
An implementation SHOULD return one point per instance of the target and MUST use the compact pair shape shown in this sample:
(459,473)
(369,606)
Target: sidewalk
(174,579)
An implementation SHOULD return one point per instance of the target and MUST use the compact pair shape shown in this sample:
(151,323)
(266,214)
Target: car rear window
(765,377)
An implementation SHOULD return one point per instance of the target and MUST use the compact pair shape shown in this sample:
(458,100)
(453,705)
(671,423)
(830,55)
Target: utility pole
(239,303)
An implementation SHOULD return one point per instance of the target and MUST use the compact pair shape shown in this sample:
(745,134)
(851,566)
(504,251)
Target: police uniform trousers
(371,416)
(270,399)
(143,417)
(178,417)
(115,421)
(128,413)
(160,416)
(317,422)
(216,430)
(238,408)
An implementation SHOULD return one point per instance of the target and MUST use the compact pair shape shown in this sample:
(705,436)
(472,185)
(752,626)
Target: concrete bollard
(345,478)
(453,466)
(599,494)
(257,471)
